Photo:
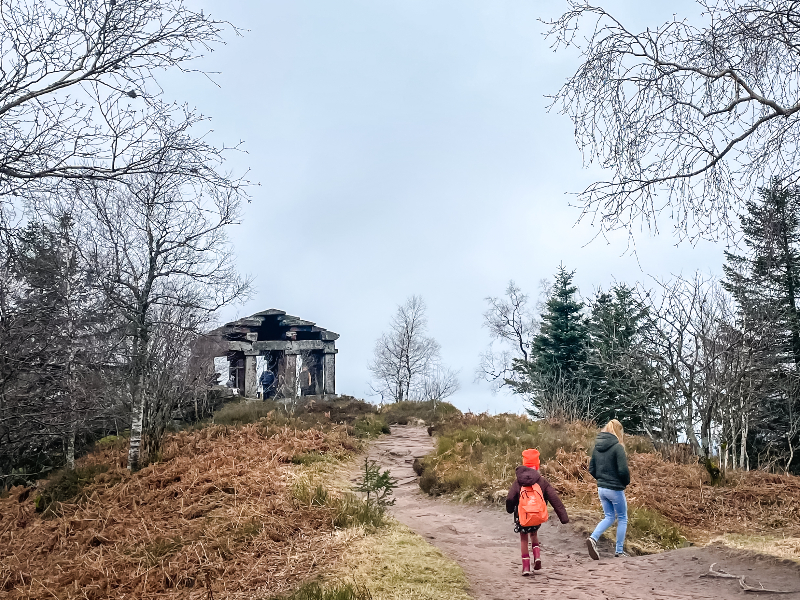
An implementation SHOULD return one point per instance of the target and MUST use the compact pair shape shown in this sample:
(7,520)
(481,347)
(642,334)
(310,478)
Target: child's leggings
(523,539)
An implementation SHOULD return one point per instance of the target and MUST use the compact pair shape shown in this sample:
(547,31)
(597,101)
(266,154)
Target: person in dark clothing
(528,475)
(609,466)
(266,380)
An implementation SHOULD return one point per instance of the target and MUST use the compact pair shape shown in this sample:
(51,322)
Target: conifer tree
(622,378)
(553,379)
(764,281)
(561,343)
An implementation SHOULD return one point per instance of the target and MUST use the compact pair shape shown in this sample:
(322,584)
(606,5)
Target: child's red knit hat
(530,458)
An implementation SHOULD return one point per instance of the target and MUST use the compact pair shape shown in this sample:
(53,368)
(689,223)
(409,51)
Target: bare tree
(438,384)
(405,354)
(295,383)
(160,242)
(80,95)
(684,312)
(511,324)
(550,395)
(704,114)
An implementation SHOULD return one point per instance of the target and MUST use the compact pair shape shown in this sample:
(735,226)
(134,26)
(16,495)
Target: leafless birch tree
(405,354)
(80,95)
(512,326)
(688,119)
(160,242)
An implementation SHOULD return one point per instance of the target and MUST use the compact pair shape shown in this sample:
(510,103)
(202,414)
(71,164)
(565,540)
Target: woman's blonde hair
(615,427)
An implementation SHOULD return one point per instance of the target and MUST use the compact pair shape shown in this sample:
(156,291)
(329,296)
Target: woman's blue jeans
(615,508)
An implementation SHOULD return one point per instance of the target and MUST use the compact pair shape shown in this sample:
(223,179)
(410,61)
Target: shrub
(311,412)
(401,412)
(478,453)
(376,485)
(66,486)
(244,412)
(638,444)
(653,528)
(370,426)
(109,440)
(428,481)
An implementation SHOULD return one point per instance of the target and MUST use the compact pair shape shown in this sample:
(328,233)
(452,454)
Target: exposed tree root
(742,583)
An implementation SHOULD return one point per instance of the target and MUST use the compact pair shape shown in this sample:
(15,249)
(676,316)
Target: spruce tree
(560,346)
(764,282)
(621,376)
(553,377)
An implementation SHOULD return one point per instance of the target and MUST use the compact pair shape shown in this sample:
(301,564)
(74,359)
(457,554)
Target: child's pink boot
(526,566)
(537,558)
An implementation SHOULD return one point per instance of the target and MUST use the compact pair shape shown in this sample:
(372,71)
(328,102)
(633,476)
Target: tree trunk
(70,366)
(71,445)
(744,464)
(137,422)
(689,425)
(140,359)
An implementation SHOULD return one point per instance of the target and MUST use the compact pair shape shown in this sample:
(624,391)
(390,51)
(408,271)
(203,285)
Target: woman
(609,466)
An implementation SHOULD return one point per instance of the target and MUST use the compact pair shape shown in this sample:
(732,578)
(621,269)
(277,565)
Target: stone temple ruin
(300,355)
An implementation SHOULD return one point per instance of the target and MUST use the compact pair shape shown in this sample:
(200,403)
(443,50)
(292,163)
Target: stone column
(290,375)
(250,377)
(329,370)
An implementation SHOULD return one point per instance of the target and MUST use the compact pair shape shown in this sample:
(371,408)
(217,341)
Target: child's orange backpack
(532,507)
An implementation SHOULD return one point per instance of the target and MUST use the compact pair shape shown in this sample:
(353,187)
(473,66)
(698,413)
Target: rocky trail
(481,539)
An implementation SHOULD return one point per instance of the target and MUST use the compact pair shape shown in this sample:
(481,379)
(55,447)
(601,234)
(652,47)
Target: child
(531,484)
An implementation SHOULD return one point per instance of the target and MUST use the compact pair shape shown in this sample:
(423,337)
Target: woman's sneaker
(622,554)
(591,546)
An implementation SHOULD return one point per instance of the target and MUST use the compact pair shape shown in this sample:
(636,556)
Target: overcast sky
(404,147)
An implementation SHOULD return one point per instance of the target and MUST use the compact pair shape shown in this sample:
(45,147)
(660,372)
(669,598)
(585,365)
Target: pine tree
(560,346)
(764,282)
(621,376)
(553,380)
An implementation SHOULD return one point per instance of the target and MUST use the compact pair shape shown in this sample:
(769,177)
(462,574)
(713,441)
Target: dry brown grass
(671,502)
(747,503)
(216,514)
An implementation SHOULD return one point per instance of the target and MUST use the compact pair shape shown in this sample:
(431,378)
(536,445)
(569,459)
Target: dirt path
(482,540)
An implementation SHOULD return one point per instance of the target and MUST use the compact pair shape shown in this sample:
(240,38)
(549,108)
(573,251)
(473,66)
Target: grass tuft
(371,426)
(352,511)
(154,553)
(315,591)
(346,510)
(308,458)
(650,528)
(401,413)
(397,564)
